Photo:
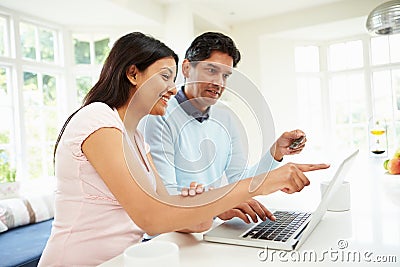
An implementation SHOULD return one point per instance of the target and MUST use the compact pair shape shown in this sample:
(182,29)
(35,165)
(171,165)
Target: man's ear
(186,68)
(131,74)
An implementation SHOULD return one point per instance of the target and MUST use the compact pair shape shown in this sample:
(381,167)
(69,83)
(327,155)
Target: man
(198,144)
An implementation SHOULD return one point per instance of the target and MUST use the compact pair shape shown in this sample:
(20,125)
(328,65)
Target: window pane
(32,95)
(339,95)
(355,84)
(396,87)
(344,134)
(310,109)
(360,136)
(382,93)
(82,52)
(7,169)
(50,118)
(354,54)
(5,125)
(5,94)
(337,57)
(83,85)
(346,55)
(33,123)
(3,36)
(307,59)
(34,129)
(380,50)
(101,49)
(394,41)
(7,149)
(49,90)
(35,167)
(49,160)
(28,41)
(3,82)
(46,40)
(397,129)
(349,109)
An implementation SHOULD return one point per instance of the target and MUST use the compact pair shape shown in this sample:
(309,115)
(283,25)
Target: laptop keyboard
(287,222)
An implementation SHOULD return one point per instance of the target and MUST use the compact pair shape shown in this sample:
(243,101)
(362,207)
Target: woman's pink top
(90,226)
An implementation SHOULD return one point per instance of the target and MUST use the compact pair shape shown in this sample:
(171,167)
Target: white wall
(278,83)
(269,64)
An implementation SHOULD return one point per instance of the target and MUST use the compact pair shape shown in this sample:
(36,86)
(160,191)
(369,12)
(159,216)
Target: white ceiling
(80,12)
(139,12)
(234,11)
(208,14)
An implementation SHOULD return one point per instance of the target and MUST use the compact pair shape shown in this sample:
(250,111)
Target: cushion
(13,212)
(16,212)
(3,227)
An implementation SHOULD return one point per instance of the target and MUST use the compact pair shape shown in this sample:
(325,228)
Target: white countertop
(367,235)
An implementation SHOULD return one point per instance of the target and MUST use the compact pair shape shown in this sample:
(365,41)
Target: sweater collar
(189,108)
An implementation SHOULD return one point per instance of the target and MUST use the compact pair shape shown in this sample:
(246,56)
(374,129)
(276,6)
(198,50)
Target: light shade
(384,19)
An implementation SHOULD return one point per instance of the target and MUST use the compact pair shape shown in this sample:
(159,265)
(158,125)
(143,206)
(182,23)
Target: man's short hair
(204,44)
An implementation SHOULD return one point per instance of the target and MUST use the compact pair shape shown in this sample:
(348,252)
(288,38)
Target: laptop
(291,228)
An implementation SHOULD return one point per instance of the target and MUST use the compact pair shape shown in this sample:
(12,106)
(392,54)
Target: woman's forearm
(177,212)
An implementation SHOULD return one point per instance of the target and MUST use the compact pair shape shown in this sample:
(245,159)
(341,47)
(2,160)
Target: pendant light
(384,19)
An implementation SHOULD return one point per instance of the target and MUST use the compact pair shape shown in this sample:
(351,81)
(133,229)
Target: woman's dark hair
(204,44)
(113,87)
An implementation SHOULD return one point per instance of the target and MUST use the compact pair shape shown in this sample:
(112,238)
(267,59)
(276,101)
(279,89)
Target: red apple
(394,166)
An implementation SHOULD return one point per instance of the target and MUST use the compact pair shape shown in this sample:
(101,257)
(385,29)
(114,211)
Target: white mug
(340,201)
(152,253)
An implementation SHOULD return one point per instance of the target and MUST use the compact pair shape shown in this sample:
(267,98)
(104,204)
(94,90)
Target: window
(396,87)
(385,49)
(385,59)
(7,135)
(33,102)
(344,56)
(39,112)
(356,91)
(90,51)
(309,93)
(382,93)
(4,45)
(8,158)
(83,85)
(37,43)
(82,52)
(348,101)
(29,93)
(101,50)
(349,109)
(40,116)
(310,109)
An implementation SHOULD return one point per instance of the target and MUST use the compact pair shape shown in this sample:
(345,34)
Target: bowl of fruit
(391,183)
(393,165)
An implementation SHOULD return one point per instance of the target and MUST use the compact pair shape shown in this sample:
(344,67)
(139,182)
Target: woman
(100,209)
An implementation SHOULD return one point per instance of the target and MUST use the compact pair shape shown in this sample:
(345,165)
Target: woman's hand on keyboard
(251,208)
